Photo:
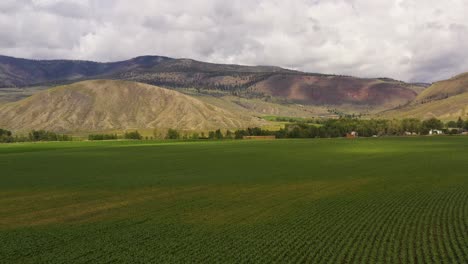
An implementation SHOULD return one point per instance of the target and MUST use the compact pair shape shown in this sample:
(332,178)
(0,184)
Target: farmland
(387,200)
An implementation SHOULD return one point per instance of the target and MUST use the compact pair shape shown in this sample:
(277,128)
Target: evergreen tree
(218,134)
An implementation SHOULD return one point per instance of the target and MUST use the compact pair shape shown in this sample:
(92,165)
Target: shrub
(43,135)
(133,135)
(172,134)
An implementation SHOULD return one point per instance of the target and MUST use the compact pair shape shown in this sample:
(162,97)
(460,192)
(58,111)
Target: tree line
(7,136)
(324,128)
(332,128)
(135,135)
(217,134)
(364,128)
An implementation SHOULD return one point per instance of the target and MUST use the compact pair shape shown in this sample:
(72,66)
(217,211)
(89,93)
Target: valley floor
(387,200)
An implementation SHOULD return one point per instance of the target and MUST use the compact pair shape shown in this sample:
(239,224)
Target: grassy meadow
(385,200)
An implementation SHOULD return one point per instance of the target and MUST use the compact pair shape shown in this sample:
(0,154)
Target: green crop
(376,200)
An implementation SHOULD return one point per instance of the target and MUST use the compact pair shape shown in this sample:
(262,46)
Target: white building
(436,132)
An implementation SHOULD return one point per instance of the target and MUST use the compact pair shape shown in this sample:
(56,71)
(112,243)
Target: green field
(386,200)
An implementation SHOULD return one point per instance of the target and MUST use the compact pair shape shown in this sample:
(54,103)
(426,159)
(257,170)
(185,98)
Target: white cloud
(413,40)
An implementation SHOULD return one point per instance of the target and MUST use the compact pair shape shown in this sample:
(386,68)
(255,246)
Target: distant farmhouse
(353,134)
(436,132)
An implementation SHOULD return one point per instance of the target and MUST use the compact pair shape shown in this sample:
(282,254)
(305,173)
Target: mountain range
(246,81)
(239,94)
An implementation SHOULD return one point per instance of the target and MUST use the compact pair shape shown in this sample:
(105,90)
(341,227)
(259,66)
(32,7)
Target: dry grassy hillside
(447,109)
(262,108)
(443,89)
(446,100)
(104,105)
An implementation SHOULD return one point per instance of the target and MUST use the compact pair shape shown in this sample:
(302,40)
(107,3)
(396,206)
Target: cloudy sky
(411,40)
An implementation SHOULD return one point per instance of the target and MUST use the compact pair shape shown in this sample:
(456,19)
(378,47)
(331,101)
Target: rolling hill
(449,109)
(446,100)
(117,105)
(337,90)
(444,89)
(258,82)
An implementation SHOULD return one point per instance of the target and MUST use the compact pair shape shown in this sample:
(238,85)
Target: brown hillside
(337,90)
(104,105)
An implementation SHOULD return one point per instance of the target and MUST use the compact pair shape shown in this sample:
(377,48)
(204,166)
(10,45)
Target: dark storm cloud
(413,40)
